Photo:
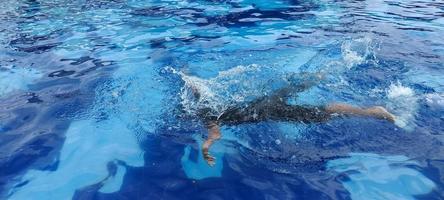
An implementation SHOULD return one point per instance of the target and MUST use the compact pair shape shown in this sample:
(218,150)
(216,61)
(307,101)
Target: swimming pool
(91,91)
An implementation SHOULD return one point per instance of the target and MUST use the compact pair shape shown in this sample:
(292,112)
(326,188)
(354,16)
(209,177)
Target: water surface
(91,91)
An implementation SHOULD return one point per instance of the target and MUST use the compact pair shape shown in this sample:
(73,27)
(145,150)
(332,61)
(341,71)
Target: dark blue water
(93,99)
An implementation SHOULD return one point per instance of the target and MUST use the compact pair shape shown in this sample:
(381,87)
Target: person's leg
(375,111)
(313,114)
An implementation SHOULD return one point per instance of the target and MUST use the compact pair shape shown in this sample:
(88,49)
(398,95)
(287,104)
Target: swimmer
(275,108)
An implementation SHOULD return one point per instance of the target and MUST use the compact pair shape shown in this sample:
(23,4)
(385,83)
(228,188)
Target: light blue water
(91,94)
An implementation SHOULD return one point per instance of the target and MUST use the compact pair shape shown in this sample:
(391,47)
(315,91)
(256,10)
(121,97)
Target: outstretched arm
(213,135)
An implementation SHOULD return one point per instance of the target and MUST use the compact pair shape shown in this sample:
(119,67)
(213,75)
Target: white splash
(231,87)
(435,99)
(399,91)
(357,51)
(404,104)
(351,57)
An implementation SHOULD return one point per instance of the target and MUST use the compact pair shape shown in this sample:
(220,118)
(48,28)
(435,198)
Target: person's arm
(213,135)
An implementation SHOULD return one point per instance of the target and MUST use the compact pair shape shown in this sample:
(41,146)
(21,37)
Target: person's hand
(211,161)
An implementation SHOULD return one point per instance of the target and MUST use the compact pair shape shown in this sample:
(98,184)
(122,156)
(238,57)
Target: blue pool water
(94,103)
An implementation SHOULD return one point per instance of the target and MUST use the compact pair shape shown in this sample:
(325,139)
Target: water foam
(435,100)
(404,104)
(232,87)
(399,91)
(351,57)
(357,51)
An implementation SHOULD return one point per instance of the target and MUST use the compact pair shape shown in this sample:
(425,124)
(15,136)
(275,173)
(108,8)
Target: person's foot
(381,113)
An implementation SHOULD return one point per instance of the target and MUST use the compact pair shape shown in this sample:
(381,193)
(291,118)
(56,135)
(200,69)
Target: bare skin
(378,112)
(213,135)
